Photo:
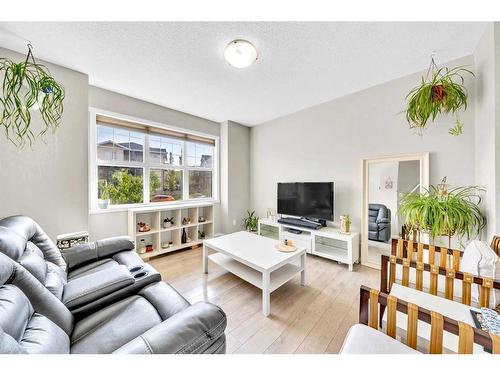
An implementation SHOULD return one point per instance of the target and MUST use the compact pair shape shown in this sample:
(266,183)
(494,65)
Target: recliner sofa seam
(206,333)
(146,342)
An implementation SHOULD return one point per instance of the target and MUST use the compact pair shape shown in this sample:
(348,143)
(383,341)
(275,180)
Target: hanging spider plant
(444,93)
(28,87)
(449,213)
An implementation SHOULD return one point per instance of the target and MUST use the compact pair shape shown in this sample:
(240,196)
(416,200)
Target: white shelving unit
(158,235)
(326,242)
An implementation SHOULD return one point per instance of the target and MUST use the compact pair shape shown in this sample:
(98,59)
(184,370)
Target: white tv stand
(326,242)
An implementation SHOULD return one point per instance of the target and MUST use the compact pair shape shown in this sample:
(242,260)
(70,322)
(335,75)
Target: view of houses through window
(175,168)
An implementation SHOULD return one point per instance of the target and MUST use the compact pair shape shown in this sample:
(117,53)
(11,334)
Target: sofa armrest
(89,288)
(92,251)
(192,330)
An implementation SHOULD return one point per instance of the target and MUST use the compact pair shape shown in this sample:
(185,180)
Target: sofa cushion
(11,243)
(42,336)
(110,328)
(33,261)
(30,231)
(55,280)
(15,311)
(165,298)
(362,339)
(102,332)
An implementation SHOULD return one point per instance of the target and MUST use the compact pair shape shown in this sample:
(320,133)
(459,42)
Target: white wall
(487,158)
(235,175)
(48,181)
(103,225)
(327,143)
(497,129)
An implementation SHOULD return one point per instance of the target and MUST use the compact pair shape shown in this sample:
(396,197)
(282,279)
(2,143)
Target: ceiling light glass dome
(240,53)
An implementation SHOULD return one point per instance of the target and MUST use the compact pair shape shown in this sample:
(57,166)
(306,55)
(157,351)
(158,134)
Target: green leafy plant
(444,213)
(103,189)
(443,93)
(27,87)
(154,183)
(251,221)
(125,188)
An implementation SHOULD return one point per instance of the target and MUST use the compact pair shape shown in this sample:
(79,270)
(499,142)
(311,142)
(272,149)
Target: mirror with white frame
(385,180)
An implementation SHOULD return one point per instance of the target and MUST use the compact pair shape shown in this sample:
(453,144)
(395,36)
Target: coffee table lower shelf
(254,277)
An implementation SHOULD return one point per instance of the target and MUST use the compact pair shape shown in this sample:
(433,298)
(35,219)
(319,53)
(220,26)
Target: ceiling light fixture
(240,53)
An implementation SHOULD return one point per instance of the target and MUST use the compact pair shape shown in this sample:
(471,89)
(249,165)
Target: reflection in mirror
(387,182)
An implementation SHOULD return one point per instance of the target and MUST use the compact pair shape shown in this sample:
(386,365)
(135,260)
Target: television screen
(306,199)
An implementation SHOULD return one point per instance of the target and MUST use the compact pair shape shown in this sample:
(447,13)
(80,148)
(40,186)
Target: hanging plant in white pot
(441,92)
(28,87)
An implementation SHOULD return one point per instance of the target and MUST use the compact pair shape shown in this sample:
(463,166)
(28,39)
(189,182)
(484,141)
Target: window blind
(153,130)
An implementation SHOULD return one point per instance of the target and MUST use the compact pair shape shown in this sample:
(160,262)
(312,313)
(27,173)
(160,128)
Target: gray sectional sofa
(97,297)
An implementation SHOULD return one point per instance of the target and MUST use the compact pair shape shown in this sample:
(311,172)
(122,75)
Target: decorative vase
(142,246)
(166,223)
(184,236)
(345,224)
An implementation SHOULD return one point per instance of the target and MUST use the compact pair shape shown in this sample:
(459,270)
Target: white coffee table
(256,260)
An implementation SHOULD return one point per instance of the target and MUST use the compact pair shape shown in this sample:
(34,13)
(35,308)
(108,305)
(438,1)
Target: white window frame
(146,167)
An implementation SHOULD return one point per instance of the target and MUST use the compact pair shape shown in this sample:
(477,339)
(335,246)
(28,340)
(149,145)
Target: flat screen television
(312,200)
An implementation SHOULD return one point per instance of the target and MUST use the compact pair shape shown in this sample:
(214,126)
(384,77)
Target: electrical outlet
(234,222)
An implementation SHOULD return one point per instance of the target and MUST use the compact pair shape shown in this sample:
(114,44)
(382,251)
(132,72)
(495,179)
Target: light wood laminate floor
(310,319)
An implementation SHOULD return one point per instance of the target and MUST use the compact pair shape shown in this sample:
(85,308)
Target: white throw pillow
(480,260)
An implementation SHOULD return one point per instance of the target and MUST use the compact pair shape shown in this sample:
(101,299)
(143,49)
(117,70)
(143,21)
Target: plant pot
(438,93)
(103,203)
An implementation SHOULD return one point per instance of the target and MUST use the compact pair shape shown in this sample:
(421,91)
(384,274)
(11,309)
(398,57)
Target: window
(135,164)
(165,185)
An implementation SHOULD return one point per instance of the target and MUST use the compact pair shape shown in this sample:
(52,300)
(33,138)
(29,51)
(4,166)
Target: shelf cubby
(206,213)
(208,228)
(192,233)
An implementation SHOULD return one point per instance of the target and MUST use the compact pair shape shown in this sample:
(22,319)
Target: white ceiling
(180,65)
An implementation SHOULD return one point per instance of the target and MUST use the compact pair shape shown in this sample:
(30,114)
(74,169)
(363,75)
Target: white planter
(439,241)
(103,203)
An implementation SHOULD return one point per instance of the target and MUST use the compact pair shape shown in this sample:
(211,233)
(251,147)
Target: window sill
(125,208)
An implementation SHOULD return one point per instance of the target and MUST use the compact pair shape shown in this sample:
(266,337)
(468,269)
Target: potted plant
(168,222)
(444,93)
(251,221)
(103,190)
(439,212)
(28,87)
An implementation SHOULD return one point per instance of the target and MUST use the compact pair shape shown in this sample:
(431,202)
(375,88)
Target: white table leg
(350,267)
(303,272)
(205,259)
(266,295)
